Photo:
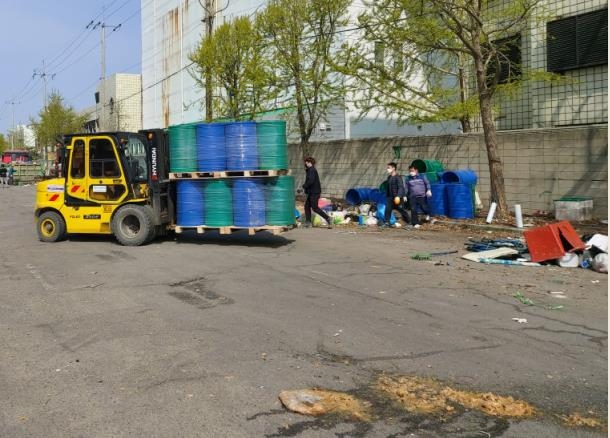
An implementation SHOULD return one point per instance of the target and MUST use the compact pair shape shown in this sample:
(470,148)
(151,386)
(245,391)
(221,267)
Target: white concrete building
(171,29)
(118,104)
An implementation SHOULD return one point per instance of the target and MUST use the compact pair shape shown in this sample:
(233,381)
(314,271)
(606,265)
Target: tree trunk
(496,173)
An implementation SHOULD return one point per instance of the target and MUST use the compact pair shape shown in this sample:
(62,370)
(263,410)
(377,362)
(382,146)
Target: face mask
(412,173)
(389,170)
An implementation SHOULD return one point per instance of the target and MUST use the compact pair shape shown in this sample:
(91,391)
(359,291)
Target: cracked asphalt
(196,336)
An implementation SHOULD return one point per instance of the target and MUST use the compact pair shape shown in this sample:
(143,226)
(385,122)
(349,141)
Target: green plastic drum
(272,144)
(218,200)
(432,176)
(425,166)
(182,148)
(280,200)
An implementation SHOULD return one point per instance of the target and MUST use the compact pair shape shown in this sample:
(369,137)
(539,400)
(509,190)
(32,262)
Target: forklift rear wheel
(133,225)
(51,227)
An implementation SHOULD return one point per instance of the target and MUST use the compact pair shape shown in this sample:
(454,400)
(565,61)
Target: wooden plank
(229,174)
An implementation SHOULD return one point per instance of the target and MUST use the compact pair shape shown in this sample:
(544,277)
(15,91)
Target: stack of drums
(232,201)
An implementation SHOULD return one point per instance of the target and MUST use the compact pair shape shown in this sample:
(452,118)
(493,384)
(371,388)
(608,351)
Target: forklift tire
(51,227)
(133,225)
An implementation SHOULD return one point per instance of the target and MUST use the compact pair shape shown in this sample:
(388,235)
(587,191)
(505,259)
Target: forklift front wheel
(133,225)
(51,227)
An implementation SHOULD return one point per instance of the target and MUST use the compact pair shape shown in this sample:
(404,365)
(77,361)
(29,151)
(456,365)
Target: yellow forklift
(110,183)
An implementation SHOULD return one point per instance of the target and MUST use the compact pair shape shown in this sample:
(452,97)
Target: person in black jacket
(395,194)
(313,190)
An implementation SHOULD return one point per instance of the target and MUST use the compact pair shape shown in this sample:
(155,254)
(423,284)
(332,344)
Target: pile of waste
(556,243)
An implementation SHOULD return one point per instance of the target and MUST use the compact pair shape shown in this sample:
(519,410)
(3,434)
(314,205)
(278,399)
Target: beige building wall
(540,165)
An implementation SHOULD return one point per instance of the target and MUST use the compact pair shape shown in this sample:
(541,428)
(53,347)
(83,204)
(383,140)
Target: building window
(577,42)
(509,53)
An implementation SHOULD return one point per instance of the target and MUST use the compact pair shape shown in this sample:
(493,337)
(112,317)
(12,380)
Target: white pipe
(518,216)
(492,211)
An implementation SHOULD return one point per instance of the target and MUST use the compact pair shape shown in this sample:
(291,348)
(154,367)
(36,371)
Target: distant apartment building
(571,40)
(118,104)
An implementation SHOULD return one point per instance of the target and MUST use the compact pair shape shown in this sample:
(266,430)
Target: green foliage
(4,144)
(233,54)
(301,40)
(56,120)
(431,52)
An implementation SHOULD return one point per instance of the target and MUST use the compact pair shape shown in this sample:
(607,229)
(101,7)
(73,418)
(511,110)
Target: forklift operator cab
(105,190)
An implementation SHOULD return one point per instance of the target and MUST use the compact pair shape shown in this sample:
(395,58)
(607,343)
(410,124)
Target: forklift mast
(162,194)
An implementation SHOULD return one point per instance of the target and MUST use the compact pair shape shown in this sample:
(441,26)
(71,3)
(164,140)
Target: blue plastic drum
(249,202)
(190,210)
(438,201)
(211,149)
(459,200)
(242,153)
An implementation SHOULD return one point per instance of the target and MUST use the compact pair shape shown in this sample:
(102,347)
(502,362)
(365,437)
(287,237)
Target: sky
(56,32)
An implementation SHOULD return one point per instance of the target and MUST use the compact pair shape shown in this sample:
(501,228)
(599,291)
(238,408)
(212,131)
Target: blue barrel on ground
(218,200)
(377,196)
(242,153)
(249,202)
(459,201)
(280,202)
(358,195)
(182,148)
(189,203)
(272,144)
(463,176)
(438,201)
(211,148)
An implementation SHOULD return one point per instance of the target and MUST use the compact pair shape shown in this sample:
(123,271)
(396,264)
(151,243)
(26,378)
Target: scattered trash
(429,255)
(518,295)
(600,263)
(558,294)
(490,254)
(569,260)
(486,244)
(594,281)
(599,241)
(559,307)
(509,262)
(520,320)
(320,402)
(552,241)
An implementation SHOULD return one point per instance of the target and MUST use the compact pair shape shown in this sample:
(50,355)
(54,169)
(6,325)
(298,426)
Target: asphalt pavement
(197,335)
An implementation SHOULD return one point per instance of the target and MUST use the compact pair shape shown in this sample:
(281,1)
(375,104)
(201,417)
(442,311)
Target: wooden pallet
(274,229)
(228,174)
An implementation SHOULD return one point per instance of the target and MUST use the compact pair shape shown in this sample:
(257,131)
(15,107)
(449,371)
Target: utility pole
(43,75)
(102,25)
(12,103)
(209,21)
